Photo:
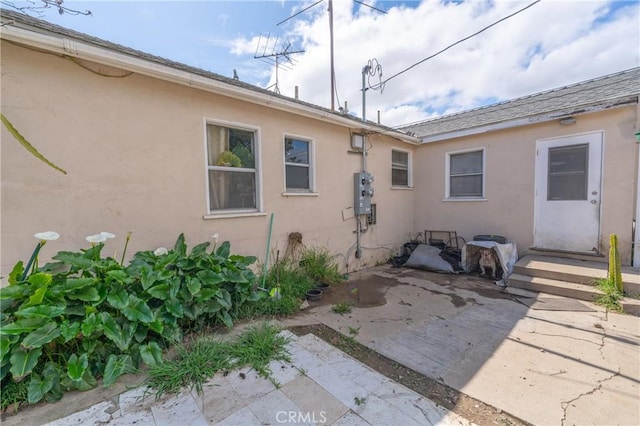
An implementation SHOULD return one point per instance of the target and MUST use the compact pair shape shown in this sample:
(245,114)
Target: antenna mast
(274,57)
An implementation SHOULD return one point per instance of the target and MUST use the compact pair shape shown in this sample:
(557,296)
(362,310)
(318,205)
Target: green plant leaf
(224,249)
(38,388)
(113,331)
(118,298)
(151,353)
(16,273)
(14,291)
(40,279)
(234,276)
(120,276)
(116,367)
(41,336)
(193,284)
(5,347)
(23,361)
(208,293)
(27,145)
(137,310)
(37,297)
(76,260)
(224,298)
(226,319)
(86,294)
(90,324)
(174,307)
(69,330)
(26,325)
(160,291)
(210,278)
(76,366)
(200,248)
(72,284)
(180,246)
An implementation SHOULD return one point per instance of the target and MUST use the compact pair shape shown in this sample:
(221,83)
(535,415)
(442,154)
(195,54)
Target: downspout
(636,241)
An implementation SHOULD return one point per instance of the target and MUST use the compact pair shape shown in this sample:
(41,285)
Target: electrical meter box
(363,192)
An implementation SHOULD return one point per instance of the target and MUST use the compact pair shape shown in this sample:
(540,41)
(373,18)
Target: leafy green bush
(85,317)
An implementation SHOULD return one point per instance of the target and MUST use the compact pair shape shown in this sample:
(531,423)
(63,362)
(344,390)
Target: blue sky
(554,43)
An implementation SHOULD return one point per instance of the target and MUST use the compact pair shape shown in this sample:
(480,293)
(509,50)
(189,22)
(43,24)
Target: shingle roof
(592,95)
(25,21)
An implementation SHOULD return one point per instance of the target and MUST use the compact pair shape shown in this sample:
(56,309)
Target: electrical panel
(363,192)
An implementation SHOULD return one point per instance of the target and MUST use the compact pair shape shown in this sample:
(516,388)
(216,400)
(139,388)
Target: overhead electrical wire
(456,43)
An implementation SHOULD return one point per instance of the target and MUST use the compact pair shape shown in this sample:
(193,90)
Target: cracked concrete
(545,367)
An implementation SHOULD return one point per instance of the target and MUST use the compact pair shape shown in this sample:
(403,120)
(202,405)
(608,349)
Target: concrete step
(557,287)
(573,270)
(578,291)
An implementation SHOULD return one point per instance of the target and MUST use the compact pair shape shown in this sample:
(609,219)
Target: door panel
(567,199)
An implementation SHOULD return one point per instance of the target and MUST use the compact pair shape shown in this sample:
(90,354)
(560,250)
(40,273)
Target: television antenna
(274,56)
(330,10)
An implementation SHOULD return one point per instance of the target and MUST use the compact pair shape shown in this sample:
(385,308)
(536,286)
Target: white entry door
(567,200)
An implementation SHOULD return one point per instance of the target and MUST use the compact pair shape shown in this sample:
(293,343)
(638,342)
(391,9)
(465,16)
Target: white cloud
(553,43)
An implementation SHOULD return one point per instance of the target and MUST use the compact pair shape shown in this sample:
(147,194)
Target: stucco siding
(134,150)
(510,181)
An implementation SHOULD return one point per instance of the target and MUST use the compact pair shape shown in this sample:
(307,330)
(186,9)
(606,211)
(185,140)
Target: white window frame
(409,169)
(259,209)
(448,196)
(311,191)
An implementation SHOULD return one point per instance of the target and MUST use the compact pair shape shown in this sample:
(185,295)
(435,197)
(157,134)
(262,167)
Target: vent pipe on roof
(296,92)
(378,116)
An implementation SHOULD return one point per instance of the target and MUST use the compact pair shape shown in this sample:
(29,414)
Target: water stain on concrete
(366,292)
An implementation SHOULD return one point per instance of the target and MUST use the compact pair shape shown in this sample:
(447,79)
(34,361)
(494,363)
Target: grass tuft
(200,360)
(341,308)
(13,393)
(611,297)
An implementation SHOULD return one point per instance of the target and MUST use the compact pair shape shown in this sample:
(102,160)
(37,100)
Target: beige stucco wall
(509,186)
(135,155)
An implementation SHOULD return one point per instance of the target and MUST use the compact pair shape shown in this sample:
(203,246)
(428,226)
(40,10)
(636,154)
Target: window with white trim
(298,164)
(465,174)
(400,168)
(232,178)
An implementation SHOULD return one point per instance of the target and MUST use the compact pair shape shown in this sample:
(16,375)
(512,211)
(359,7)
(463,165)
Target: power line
(458,42)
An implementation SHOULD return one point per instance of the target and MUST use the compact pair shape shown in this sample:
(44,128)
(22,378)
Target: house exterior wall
(510,178)
(134,150)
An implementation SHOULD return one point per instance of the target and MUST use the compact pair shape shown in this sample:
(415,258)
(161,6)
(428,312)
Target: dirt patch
(453,400)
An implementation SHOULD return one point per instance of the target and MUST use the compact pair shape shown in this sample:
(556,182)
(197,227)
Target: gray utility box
(363,192)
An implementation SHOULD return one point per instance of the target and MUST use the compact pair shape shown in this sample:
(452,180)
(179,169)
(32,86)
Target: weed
(319,265)
(354,331)
(204,357)
(359,401)
(341,308)
(611,297)
(13,393)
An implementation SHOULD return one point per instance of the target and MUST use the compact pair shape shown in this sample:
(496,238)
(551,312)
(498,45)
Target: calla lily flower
(107,235)
(160,251)
(97,238)
(47,236)
(215,237)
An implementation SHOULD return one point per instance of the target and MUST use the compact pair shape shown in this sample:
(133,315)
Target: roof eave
(68,46)
(534,119)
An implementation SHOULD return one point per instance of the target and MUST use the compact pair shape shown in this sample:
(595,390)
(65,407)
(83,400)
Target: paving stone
(275,408)
(350,419)
(94,415)
(178,410)
(218,400)
(137,418)
(378,411)
(283,372)
(242,417)
(321,349)
(138,399)
(248,384)
(337,384)
(312,398)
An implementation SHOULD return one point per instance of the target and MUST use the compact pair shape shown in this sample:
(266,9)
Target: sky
(549,45)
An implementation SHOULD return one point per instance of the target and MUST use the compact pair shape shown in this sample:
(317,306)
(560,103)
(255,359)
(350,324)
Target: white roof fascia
(65,45)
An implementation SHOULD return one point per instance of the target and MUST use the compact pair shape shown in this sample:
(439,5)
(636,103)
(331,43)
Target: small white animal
(487,261)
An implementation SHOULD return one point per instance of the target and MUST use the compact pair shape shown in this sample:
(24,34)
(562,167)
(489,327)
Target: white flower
(97,238)
(160,251)
(215,237)
(47,236)
(107,235)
